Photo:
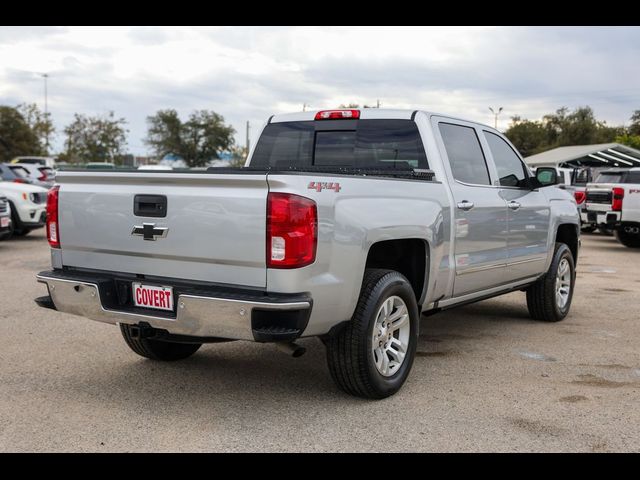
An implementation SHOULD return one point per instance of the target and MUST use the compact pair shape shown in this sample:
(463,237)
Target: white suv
(613,201)
(28,205)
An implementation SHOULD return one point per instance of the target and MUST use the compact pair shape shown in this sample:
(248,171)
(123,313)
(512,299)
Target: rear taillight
(337,114)
(19,180)
(580,196)
(53,225)
(42,178)
(292,231)
(616,202)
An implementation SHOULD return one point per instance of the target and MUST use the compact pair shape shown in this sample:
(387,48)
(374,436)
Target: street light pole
(46,115)
(247,142)
(495,116)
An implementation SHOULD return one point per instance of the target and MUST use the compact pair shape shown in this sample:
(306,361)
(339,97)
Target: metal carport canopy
(600,155)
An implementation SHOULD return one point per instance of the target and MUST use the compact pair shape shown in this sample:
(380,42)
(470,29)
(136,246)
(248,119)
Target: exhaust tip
(298,351)
(291,348)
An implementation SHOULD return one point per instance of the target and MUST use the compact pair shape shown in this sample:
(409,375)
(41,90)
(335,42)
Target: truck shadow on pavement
(253,374)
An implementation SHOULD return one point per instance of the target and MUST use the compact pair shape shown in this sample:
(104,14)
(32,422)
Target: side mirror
(547,176)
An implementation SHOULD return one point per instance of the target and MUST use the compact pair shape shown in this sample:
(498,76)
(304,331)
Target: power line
(46,115)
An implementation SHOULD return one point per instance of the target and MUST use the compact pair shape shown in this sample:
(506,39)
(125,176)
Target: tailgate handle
(150,206)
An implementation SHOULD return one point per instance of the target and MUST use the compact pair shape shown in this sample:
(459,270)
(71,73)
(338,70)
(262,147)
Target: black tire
(631,240)
(158,350)
(16,229)
(541,296)
(349,354)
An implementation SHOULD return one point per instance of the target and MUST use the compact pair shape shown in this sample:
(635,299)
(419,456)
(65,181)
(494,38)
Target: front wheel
(156,349)
(372,356)
(629,235)
(549,299)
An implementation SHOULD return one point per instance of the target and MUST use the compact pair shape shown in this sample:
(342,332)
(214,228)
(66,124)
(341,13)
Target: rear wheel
(549,299)
(629,235)
(155,349)
(372,356)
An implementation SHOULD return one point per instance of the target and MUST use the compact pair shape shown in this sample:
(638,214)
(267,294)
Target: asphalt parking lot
(487,378)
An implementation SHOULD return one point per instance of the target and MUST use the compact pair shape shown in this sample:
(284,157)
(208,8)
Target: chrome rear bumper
(195,315)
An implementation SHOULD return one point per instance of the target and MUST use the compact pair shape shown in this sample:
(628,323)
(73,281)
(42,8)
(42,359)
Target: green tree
(632,141)
(96,139)
(634,128)
(559,129)
(16,138)
(40,123)
(198,140)
(527,136)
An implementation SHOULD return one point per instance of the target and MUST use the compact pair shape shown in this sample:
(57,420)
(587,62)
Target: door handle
(513,205)
(465,205)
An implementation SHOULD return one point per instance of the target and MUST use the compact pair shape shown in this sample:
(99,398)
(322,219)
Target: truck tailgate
(215,225)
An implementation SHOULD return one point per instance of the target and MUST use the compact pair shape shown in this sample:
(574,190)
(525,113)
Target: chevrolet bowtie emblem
(149,231)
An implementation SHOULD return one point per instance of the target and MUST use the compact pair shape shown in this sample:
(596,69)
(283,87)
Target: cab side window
(465,154)
(511,170)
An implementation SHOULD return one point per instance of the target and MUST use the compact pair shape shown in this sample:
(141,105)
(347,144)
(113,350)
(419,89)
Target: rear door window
(467,161)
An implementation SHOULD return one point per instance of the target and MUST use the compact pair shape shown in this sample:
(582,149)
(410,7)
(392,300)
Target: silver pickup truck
(344,224)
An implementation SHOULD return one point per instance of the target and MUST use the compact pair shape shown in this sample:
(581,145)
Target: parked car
(574,180)
(27,205)
(5,218)
(613,202)
(34,160)
(344,226)
(15,173)
(40,175)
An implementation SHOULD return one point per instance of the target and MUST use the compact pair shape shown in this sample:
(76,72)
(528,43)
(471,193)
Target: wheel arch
(408,256)
(568,233)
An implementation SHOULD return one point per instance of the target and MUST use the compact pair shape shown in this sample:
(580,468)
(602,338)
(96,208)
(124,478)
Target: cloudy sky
(249,73)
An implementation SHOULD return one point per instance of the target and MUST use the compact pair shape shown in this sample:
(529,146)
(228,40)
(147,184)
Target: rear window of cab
(374,143)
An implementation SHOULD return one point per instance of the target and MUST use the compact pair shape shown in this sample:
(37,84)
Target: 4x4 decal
(319,186)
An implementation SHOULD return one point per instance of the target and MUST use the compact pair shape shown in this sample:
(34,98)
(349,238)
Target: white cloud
(248,73)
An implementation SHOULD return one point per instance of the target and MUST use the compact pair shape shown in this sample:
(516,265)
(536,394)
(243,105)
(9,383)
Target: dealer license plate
(151,296)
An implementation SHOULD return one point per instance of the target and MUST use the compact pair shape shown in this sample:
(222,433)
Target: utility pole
(46,115)
(304,107)
(495,116)
(378,103)
(248,145)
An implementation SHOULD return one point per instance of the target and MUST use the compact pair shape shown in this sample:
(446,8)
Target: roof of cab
(366,114)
